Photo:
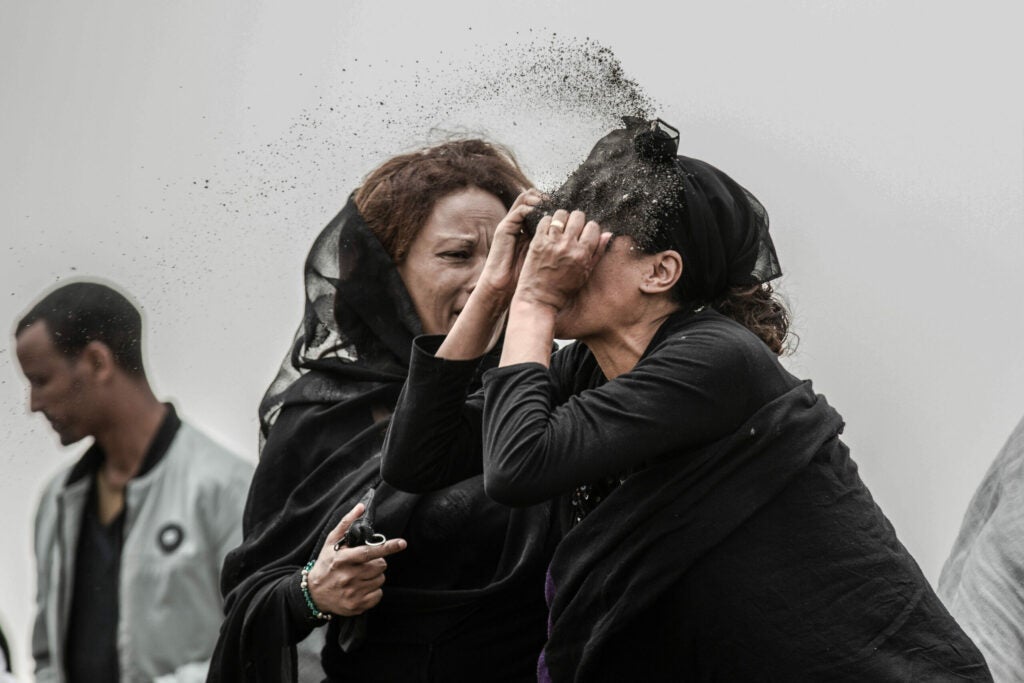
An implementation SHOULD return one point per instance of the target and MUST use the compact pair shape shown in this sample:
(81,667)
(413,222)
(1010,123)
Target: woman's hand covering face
(348,581)
(561,256)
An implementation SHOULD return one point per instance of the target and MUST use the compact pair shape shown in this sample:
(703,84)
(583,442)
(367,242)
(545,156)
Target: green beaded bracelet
(304,585)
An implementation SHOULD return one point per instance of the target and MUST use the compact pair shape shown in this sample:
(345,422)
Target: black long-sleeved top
(741,545)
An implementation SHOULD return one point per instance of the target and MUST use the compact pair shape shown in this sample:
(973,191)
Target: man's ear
(98,360)
(663,271)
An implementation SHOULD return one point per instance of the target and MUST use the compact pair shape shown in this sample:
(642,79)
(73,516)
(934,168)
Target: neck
(135,416)
(619,349)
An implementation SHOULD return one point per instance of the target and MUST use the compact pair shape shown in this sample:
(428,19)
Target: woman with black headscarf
(464,599)
(718,528)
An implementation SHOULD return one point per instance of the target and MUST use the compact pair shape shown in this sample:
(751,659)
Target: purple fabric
(543,675)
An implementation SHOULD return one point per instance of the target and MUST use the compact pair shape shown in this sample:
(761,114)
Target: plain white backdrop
(190,152)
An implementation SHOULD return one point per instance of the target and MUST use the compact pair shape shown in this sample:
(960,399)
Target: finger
(366,571)
(367,553)
(517,214)
(556,225)
(348,563)
(590,234)
(601,244)
(349,606)
(367,585)
(356,587)
(370,600)
(531,197)
(542,227)
(389,547)
(338,532)
(574,225)
(512,223)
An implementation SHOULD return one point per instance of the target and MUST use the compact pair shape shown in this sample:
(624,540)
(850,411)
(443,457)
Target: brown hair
(761,311)
(397,198)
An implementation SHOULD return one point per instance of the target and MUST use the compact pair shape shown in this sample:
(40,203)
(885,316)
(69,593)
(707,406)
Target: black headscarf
(633,183)
(322,424)
(352,285)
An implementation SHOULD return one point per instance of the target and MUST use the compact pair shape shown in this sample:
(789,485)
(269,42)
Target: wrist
(523,305)
(307,594)
(530,332)
(489,300)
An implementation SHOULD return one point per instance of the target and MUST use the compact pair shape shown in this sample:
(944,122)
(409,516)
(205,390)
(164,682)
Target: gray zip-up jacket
(981,581)
(182,517)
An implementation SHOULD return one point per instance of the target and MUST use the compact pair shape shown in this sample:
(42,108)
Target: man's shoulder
(199,451)
(46,505)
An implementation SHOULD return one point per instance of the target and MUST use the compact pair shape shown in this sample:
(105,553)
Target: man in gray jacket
(129,540)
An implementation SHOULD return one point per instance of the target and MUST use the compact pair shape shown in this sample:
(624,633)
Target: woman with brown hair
(718,529)
(463,599)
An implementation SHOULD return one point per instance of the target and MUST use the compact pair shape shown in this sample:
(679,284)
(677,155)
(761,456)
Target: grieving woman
(718,529)
(464,597)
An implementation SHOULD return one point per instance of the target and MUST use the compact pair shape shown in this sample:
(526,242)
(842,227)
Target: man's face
(58,385)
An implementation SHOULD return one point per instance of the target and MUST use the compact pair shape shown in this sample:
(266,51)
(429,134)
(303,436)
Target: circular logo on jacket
(170,537)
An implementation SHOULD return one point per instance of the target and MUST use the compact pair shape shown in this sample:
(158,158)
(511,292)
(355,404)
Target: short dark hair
(83,312)
(397,198)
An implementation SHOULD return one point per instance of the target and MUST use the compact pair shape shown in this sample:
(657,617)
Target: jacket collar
(91,460)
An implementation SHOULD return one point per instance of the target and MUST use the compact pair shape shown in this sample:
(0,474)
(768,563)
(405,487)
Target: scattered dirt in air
(548,97)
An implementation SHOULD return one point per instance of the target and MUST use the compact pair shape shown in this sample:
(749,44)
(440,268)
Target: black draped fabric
(759,558)
(472,575)
(742,545)
(5,652)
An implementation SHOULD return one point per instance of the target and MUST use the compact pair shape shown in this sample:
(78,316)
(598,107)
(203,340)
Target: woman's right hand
(348,581)
(562,254)
(480,323)
(508,248)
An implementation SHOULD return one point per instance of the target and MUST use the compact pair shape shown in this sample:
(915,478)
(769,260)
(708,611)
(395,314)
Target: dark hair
(83,312)
(762,312)
(635,185)
(397,198)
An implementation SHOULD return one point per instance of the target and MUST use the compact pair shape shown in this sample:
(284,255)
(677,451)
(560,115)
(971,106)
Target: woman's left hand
(347,581)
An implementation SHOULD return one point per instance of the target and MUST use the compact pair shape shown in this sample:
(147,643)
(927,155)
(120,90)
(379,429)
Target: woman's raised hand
(348,581)
(561,255)
(505,258)
(479,325)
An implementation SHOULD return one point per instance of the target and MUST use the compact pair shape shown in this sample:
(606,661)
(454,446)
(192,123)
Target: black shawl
(322,425)
(691,533)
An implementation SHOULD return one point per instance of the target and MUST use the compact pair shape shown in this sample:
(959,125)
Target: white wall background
(190,151)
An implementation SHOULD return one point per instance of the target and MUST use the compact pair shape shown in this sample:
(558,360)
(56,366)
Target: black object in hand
(361,532)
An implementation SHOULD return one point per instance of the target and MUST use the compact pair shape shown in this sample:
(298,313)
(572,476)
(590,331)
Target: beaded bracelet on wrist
(304,585)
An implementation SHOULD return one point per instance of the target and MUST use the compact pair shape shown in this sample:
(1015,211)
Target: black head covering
(358,324)
(322,426)
(634,184)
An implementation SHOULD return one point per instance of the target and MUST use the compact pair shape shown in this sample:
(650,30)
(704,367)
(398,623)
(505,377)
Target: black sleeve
(434,438)
(690,391)
(309,454)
